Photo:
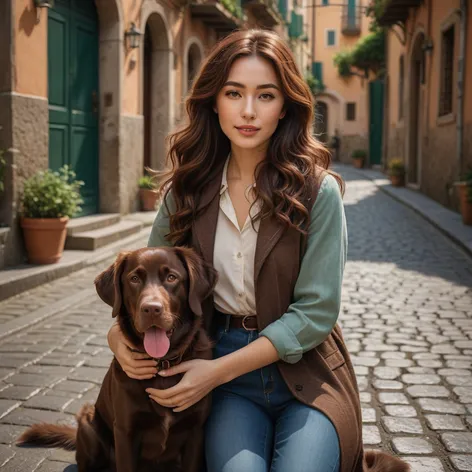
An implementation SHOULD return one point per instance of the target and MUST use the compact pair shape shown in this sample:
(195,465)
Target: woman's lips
(247,132)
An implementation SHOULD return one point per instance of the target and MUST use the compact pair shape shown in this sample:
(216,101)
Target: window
(330,37)
(447,71)
(350,111)
(325,2)
(401,86)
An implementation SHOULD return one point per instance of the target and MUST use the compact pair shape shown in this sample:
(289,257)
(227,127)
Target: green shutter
(295,29)
(283,8)
(331,37)
(325,2)
(351,13)
(317,71)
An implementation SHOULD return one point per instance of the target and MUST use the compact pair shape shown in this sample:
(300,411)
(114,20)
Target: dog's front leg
(192,456)
(127,449)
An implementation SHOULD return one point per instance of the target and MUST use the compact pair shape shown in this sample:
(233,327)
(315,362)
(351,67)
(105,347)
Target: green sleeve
(317,293)
(160,227)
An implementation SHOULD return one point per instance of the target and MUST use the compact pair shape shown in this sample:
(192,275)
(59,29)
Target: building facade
(343,105)
(428,113)
(74,90)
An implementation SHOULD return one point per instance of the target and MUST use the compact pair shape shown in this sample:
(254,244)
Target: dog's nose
(152,308)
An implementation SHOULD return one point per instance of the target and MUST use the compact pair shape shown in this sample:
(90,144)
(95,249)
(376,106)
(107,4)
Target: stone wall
(131,161)
(349,144)
(26,134)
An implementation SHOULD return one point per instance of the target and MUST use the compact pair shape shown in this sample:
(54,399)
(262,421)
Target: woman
(249,189)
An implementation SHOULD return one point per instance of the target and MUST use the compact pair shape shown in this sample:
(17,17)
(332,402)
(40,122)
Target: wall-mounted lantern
(133,37)
(40,4)
(428,45)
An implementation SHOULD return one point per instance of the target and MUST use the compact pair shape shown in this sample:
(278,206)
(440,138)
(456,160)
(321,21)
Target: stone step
(94,239)
(91,222)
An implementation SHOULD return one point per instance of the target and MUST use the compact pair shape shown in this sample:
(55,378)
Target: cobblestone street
(406,315)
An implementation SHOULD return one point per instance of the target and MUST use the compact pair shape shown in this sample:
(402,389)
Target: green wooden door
(73,93)
(376,101)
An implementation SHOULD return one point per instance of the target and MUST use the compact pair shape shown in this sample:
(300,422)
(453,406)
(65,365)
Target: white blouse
(233,256)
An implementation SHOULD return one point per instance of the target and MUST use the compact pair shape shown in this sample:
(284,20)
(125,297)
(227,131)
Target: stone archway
(110,14)
(415,103)
(193,56)
(160,94)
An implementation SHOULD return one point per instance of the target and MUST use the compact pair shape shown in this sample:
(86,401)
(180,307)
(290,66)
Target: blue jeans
(257,425)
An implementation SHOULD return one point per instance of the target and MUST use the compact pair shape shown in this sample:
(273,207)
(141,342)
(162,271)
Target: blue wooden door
(73,93)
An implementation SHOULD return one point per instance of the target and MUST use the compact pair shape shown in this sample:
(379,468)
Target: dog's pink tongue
(156,342)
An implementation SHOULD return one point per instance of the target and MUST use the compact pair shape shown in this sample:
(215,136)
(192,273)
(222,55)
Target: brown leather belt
(249,322)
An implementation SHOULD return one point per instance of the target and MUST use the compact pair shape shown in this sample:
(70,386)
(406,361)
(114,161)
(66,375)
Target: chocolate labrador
(156,295)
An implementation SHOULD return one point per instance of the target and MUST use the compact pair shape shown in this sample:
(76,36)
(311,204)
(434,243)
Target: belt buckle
(244,324)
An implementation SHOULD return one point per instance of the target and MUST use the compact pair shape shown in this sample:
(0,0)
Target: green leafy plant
(233,7)
(314,83)
(52,194)
(367,57)
(146,182)
(396,167)
(359,154)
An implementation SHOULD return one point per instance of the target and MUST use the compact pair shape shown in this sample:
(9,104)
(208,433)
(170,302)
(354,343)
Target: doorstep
(17,279)
(447,221)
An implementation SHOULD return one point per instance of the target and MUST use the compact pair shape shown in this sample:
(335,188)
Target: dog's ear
(108,284)
(202,278)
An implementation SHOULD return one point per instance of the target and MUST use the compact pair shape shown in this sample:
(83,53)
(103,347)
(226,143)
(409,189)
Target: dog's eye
(134,279)
(171,278)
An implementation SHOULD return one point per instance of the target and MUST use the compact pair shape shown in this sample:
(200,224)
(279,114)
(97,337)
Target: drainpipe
(460,86)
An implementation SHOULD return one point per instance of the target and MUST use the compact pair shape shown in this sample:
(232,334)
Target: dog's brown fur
(126,431)
(377,461)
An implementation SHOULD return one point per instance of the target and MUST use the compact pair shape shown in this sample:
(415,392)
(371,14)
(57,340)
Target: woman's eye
(171,278)
(267,95)
(135,279)
(230,93)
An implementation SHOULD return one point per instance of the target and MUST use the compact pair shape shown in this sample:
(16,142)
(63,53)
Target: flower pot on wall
(44,238)
(148,199)
(465,204)
(397,180)
(358,162)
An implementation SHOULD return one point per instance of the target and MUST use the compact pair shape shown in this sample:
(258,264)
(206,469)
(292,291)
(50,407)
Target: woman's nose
(248,111)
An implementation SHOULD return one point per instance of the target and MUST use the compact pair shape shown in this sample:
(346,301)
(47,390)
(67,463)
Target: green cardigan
(317,293)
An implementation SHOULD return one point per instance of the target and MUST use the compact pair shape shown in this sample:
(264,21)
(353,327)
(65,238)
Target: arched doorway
(73,94)
(156,99)
(193,63)
(321,121)
(417,69)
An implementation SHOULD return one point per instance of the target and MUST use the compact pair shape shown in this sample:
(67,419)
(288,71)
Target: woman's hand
(200,378)
(136,365)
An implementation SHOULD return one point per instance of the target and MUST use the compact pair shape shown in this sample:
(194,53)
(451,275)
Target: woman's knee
(305,441)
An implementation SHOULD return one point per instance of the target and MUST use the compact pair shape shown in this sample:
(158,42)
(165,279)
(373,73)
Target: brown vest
(324,378)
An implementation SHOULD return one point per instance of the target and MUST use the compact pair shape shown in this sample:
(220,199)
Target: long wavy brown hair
(285,179)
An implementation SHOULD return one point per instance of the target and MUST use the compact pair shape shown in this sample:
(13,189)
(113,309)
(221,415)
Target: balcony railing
(266,11)
(396,11)
(221,15)
(351,19)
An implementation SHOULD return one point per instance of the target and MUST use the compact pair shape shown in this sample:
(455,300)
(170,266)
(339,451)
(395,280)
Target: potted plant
(49,199)
(148,193)
(358,156)
(396,171)
(465,197)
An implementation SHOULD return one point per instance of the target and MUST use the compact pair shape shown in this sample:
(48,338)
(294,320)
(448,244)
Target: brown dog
(156,294)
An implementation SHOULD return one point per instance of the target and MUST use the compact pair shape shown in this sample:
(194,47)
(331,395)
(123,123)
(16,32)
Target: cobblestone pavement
(406,315)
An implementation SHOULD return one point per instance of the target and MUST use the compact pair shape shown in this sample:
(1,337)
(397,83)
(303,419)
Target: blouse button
(239,255)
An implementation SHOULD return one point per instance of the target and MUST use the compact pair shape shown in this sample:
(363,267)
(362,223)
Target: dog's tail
(49,435)
(377,461)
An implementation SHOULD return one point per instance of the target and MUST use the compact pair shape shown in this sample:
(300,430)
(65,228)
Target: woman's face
(251,96)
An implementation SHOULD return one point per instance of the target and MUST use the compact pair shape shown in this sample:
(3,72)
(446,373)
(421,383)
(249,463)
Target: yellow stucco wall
(351,90)
(30,46)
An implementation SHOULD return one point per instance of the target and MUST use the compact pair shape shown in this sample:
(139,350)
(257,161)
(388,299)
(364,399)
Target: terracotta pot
(148,199)
(466,206)
(358,162)
(44,238)
(397,180)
